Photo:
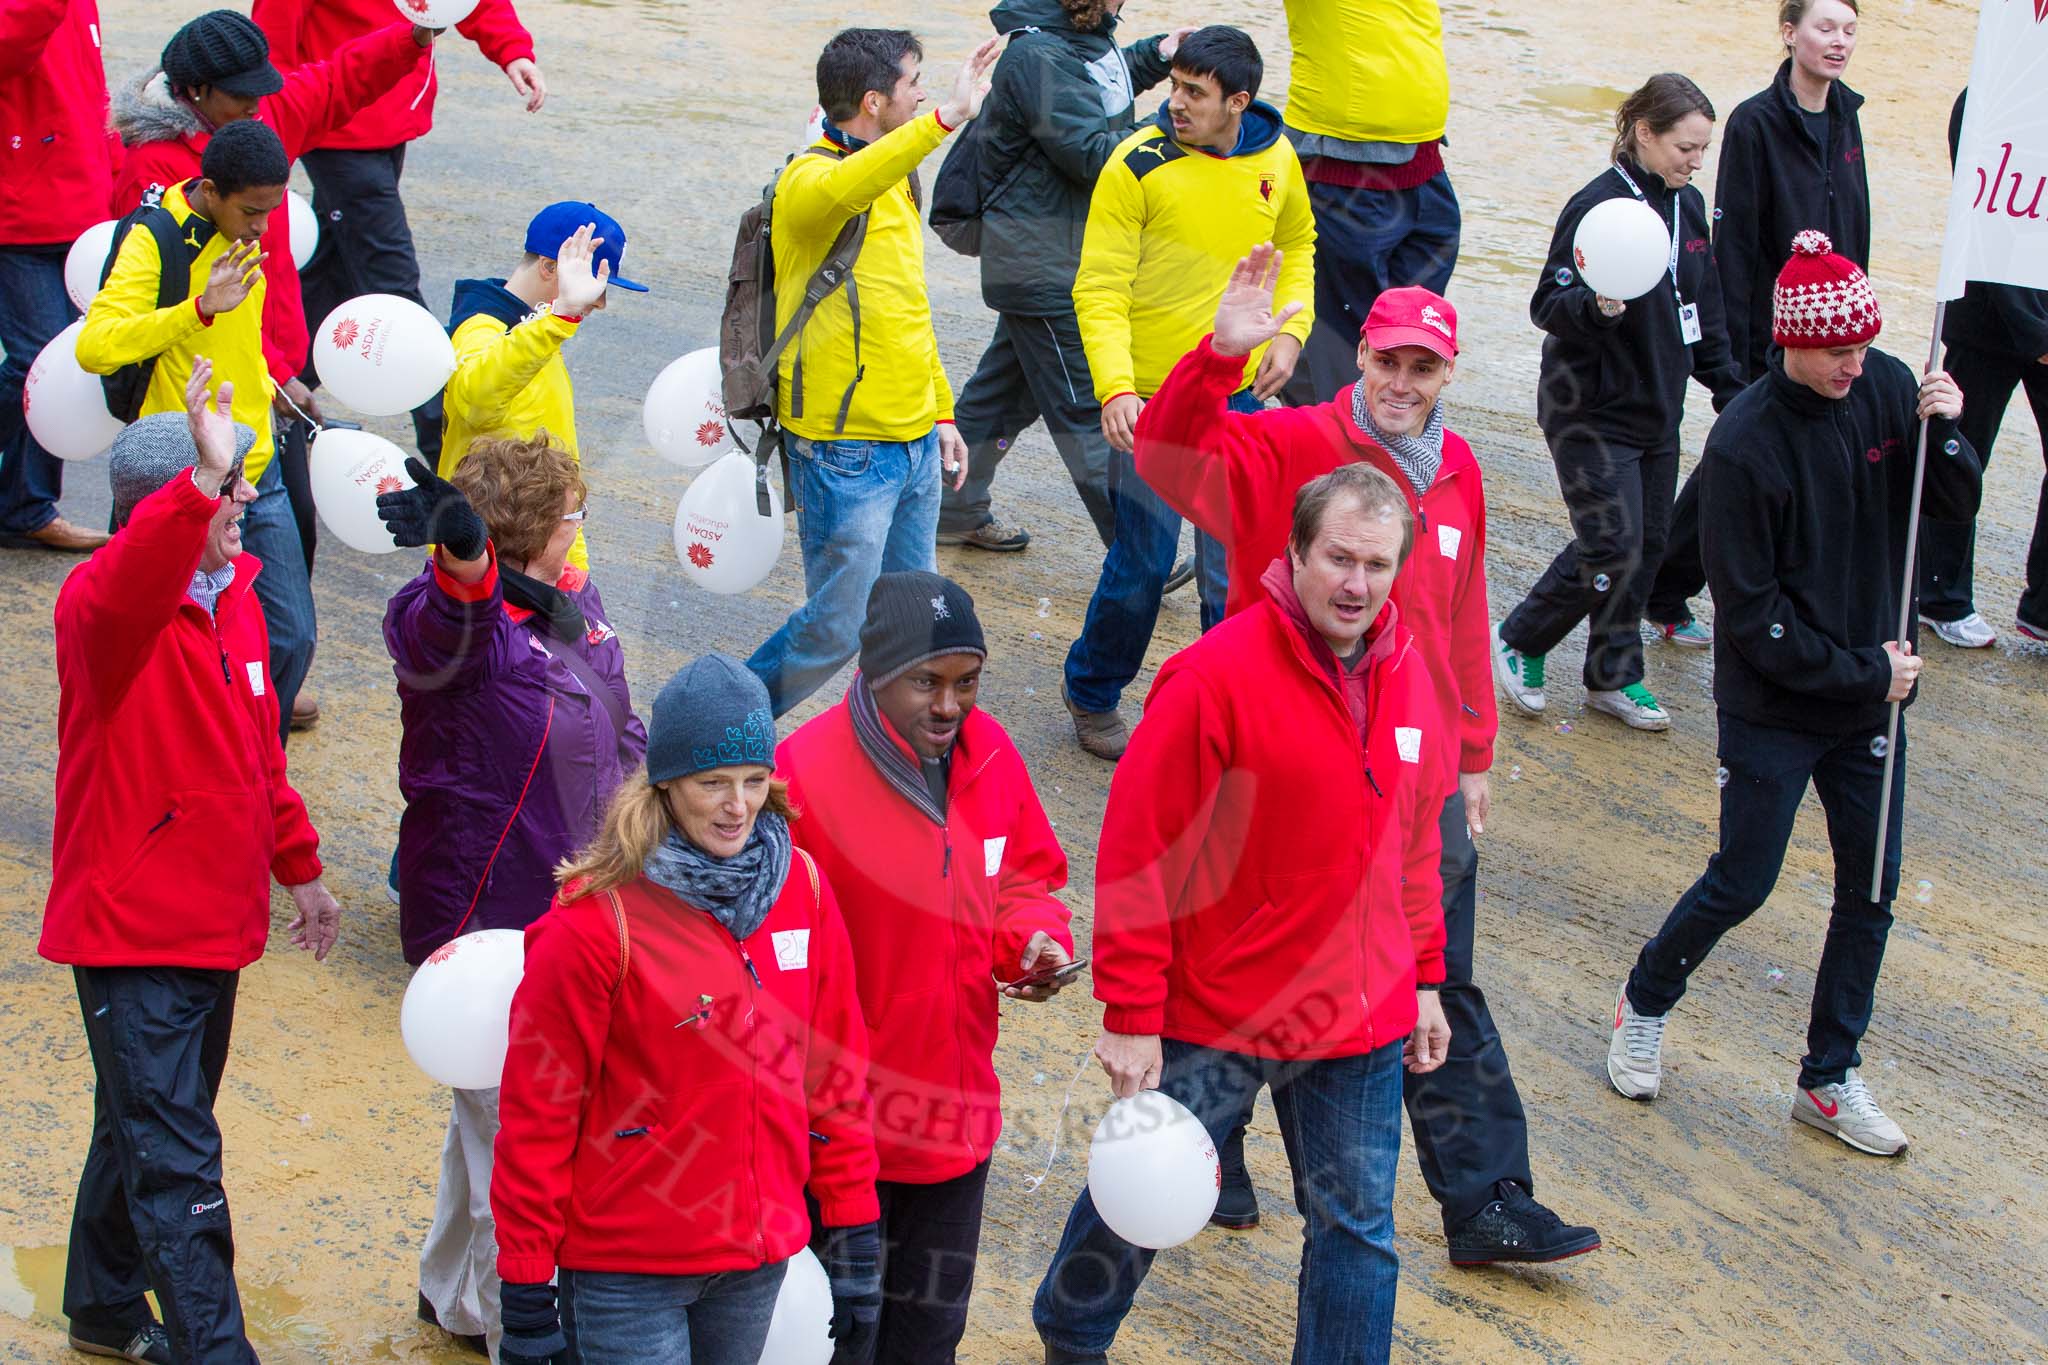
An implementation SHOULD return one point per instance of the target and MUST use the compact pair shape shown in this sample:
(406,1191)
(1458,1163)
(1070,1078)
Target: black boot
(1237,1204)
(1055,1356)
(1514,1227)
(433,1319)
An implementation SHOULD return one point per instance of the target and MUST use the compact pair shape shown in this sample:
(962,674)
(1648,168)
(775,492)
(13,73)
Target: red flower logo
(711,433)
(700,554)
(445,951)
(345,334)
(416,6)
(390,483)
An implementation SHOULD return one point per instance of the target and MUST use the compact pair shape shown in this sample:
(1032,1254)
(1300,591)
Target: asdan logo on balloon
(345,334)
(700,554)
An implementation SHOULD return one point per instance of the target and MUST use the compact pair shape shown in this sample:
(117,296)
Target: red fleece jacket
(667,1098)
(1235,476)
(173,812)
(1267,882)
(56,155)
(936,916)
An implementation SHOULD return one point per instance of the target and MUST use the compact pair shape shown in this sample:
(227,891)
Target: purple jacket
(507,760)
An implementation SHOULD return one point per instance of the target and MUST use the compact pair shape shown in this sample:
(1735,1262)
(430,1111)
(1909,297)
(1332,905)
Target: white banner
(1998,206)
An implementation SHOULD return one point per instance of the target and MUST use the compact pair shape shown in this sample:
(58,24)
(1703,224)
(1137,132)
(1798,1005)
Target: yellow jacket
(124,326)
(1368,72)
(902,390)
(1165,226)
(509,377)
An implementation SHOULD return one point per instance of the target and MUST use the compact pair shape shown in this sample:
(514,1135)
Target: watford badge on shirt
(1266,187)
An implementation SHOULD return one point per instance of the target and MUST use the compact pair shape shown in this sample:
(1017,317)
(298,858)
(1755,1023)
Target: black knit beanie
(224,49)
(913,617)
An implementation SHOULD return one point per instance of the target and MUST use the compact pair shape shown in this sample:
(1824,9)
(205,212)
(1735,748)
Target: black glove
(533,1325)
(434,512)
(853,1262)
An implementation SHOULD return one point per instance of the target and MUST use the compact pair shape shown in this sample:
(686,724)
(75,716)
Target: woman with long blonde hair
(687,1059)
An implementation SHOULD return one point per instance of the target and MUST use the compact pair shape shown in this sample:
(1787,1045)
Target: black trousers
(1769,770)
(1470,1131)
(294,454)
(151,1213)
(1683,574)
(1948,549)
(1619,497)
(365,248)
(1034,368)
(931,1236)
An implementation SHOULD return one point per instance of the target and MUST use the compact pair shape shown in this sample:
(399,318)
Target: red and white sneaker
(2038,634)
(1848,1111)
(1635,1050)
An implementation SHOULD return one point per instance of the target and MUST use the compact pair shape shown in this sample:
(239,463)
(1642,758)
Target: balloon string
(1060,1124)
(304,416)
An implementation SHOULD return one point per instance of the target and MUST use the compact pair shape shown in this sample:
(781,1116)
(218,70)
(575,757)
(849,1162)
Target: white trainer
(1634,706)
(1848,1111)
(1519,676)
(1635,1052)
(1972,632)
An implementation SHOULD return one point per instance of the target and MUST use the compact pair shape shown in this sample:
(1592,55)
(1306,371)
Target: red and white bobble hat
(1822,299)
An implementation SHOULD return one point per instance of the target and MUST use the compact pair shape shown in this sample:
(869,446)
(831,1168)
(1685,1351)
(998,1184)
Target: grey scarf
(1419,456)
(738,891)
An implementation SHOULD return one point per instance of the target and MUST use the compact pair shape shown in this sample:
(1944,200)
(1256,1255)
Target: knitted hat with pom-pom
(1822,299)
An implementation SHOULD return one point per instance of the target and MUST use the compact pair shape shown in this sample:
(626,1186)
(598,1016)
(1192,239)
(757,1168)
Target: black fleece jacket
(1804,504)
(2003,319)
(1060,102)
(1623,379)
(1776,181)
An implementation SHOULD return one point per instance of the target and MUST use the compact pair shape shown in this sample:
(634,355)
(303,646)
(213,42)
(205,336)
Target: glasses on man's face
(233,481)
(577,515)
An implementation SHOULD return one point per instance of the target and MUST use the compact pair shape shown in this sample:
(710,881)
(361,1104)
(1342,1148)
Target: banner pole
(1891,734)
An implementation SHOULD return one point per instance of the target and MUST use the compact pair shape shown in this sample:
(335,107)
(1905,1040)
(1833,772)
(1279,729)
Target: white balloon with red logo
(1152,1171)
(1622,248)
(456,1018)
(815,128)
(348,469)
(434,13)
(304,225)
(382,355)
(66,407)
(800,1333)
(684,413)
(725,543)
(84,262)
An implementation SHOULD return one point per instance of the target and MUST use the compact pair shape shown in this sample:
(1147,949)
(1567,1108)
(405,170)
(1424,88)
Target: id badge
(1689,323)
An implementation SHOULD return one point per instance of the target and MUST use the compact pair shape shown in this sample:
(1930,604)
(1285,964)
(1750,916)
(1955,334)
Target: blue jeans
(610,1316)
(33,308)
(271,533)
(1768,769)
(863,509)
(1121,615)
(1341,1122)
(1367,242)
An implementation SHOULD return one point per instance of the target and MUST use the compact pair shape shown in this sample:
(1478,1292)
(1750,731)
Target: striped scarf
(891,762)
(1420,457)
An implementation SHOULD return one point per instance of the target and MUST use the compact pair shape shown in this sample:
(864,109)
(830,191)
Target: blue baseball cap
(557,223)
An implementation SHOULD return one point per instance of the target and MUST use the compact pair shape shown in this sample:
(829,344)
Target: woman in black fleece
(1609,401)
(1791,159)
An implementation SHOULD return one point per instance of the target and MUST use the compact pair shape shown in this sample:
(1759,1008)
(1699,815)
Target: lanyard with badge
(1688,313)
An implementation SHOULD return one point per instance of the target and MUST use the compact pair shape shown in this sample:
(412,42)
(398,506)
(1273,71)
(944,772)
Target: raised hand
(210,418)
(233,275)
(970,87)
(433,512)
(577,289)
(1245,319)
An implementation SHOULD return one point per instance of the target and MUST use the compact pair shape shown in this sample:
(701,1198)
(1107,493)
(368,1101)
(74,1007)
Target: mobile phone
(1046,976)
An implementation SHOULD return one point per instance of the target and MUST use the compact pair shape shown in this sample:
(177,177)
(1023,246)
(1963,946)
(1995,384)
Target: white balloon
(800,1333)
(684,414)
(1622,248)
(815,129)
(305,227)
(66,407)
(457,1015)
(382,354)
(434,13)
(1152,1171)
(85,260)
(348,469)
(724,542)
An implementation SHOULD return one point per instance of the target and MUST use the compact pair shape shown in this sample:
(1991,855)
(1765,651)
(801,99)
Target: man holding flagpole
(1808,501)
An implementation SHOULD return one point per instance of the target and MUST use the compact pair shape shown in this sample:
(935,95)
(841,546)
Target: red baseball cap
(1412,316)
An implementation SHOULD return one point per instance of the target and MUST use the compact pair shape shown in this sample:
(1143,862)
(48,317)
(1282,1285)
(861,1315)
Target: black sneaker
(149,1343)
(989,535)
(1237,1203)
(475,1344)
(1514,1227)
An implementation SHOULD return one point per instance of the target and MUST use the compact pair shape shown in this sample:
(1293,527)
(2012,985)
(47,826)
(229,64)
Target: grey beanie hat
(714,713)
(149,452)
